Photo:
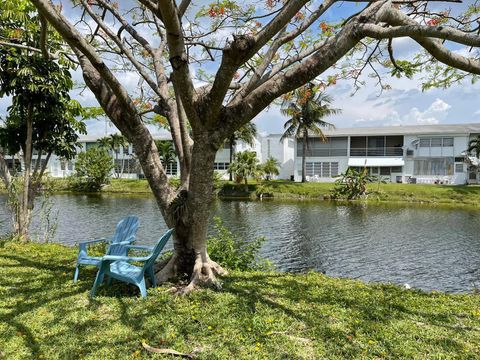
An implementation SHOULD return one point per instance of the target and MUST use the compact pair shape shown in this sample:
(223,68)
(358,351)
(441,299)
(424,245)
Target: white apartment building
(432,154)
(406,154)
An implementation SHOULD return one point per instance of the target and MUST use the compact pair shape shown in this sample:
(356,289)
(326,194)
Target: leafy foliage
(270,167)
(307,107)
(166,150)
(245,165)
(352,184)
(92,170)
(235,253)
(474,147)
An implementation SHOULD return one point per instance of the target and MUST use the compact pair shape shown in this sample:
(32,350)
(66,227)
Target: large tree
(307,108)
(244,56)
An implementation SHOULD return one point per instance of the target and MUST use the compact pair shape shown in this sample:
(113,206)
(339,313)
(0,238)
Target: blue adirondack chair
(124,235)
(120,268)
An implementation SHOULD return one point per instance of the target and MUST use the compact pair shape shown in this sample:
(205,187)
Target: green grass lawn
(44,315)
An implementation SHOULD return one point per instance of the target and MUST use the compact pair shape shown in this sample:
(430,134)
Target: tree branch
(178,58)
(140,68)
(439,32)
(76,41)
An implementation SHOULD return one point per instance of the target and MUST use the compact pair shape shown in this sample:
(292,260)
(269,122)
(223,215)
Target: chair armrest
(111,258)
(140,247)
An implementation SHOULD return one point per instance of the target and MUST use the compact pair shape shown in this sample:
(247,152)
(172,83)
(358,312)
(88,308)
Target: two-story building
(415,154)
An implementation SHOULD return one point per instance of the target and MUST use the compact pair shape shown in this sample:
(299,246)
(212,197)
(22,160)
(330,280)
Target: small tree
(245,165)
(270,168)
(247,134)
(92,169)
(114,143)
(41,116)
(352,184)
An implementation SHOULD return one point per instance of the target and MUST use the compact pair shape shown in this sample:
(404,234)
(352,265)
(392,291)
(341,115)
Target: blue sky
(404,104)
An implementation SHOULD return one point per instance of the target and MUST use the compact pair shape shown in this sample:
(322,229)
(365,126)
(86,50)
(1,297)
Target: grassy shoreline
(436,195)
(44,315)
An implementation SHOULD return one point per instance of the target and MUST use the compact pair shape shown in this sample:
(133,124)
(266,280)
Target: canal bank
(437,195)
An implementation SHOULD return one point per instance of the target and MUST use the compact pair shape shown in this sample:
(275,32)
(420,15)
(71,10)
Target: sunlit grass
(43,314)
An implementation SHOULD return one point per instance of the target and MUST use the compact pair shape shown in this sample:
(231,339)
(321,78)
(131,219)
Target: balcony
(377,151)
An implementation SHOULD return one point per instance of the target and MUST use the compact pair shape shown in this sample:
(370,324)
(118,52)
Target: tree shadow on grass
(336,313)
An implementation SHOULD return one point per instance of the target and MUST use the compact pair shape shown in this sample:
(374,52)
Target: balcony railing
(377,151)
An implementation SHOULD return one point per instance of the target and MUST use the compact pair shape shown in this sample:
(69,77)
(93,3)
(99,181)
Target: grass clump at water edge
(256,315)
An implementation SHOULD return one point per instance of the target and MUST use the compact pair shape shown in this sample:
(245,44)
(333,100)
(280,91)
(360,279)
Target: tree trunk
(190,213)
(23,214)
(304,156)
(246,183)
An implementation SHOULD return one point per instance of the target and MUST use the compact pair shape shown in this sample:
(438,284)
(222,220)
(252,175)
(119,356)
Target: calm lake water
(428,248)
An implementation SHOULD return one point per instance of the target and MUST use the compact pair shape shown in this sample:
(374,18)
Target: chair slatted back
(158,249)
(126,228)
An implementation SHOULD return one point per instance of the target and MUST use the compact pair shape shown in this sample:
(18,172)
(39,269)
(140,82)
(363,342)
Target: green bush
(234,253)
(92,170)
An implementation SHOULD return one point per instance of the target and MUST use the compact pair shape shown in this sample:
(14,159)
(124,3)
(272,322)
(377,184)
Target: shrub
(352,184)
(235,253)
(92,170)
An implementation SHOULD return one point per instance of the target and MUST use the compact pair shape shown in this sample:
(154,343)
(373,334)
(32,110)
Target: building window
(221,166)
(171,168)
(317,148)
(385,171)
(447,141)
(458,168)
(397,169)
(425,142)
(321,169)
(434,166)
(436,142)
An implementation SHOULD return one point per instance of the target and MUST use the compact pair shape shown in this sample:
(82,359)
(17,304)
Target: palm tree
(247,134)
(270,167)
(245,165)
(307,107)
(166,150)
(113,144)
(474,147)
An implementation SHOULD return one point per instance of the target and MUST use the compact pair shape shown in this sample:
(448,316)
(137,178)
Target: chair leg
(151,274)
(142,287)
(98,281)
(77,270)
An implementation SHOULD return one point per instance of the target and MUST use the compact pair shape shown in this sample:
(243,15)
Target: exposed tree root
(204,273)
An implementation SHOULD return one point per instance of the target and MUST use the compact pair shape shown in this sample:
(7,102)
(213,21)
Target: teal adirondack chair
(119,267)
(124,235)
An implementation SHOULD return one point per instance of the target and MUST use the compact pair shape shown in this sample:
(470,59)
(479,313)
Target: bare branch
(128,53)
(439,32)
